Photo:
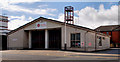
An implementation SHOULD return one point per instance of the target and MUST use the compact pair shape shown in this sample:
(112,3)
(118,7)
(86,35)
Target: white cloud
(46,11)
(17,21)
(15,8)
(60,17)
(20,1)
(93,18)
(42,5)
(30,18)
(87,17)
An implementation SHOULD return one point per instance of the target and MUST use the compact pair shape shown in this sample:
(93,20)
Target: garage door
(38,39)
(55,39)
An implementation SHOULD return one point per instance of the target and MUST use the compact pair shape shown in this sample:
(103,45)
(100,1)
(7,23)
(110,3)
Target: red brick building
(114,31)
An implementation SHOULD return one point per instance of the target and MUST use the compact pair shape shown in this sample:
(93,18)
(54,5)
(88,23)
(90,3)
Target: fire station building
(43,33)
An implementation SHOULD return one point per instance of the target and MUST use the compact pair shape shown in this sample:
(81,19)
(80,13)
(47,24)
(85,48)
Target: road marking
(93,54)
(80,56)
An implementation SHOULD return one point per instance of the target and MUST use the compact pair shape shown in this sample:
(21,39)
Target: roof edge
(37,19)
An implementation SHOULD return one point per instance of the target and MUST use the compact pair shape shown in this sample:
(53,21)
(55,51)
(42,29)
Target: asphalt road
(110,51)
(56,55)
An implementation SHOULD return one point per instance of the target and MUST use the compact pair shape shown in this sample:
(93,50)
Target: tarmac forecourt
(55,55)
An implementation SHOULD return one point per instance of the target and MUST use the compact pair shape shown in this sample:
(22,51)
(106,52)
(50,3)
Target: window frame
(76,40)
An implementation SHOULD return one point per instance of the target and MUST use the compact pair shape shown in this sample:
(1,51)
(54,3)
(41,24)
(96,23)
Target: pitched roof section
(62,23)
(108,28)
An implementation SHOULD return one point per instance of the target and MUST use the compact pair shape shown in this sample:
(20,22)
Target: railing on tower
(69,15)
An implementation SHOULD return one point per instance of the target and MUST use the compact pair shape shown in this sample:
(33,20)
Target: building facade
(3,25)
(3,31)
(43,33)
(114,31)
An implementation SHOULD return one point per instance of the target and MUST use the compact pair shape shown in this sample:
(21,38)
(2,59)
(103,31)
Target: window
(72,36)
(75,40)
(100,41)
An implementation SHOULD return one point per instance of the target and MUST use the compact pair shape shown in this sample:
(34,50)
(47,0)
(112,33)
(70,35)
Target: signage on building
(41,25)
(90,44)
(82,43)
(14,39)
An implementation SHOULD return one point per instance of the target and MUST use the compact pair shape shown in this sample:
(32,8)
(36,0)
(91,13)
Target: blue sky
(22,12)
(57,5)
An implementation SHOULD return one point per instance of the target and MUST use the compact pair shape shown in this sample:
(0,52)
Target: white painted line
(94,54)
